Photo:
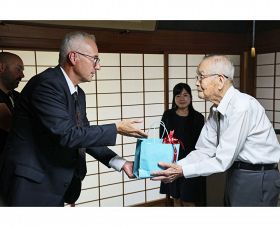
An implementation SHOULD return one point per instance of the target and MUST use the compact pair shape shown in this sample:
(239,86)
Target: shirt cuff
(189,171)
(117,163)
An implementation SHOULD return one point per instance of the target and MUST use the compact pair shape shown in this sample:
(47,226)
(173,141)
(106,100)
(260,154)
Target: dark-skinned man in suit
(11,73)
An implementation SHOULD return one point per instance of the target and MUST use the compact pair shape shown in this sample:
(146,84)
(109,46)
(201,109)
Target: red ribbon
(170,139)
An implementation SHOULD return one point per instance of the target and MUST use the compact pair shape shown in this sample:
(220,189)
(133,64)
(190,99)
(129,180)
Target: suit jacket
(41,154)
(5,118)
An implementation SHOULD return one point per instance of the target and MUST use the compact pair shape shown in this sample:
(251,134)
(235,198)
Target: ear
(221,82)
(2,67)
(72,58)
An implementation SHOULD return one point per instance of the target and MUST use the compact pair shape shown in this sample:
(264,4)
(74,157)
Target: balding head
(11,71)
(7,57)
(215,75)
(220,64)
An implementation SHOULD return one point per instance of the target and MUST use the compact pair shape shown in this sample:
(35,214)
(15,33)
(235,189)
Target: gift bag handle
(164,128)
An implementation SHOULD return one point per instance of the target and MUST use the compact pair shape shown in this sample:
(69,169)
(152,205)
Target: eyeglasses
(93,59)
(200,77)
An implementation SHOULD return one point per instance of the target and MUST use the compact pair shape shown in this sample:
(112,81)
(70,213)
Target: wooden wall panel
(44,37)
(268,41)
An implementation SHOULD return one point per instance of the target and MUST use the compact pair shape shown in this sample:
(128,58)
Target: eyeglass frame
(93,59)
(200,76)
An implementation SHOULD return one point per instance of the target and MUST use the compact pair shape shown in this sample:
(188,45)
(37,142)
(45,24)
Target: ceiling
(234,26)
(231,26)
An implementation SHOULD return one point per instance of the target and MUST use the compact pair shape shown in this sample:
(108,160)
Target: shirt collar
(222,107)
(71,86)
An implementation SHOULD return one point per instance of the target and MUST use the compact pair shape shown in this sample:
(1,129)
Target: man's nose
(22,75)
(97,66)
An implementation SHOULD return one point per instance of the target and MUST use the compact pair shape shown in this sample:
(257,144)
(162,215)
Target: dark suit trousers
(247,188)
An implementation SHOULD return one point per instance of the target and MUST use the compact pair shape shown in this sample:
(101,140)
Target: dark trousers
(248,188)
(2,203)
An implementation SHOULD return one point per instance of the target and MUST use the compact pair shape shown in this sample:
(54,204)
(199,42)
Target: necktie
(218,115)
(77,110)
(73,191)
(81,170)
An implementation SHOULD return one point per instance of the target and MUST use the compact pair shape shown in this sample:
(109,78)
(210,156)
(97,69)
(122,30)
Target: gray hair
(72,41)
(221,65)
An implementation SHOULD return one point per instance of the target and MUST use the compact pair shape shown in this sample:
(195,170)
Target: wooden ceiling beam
(22,36)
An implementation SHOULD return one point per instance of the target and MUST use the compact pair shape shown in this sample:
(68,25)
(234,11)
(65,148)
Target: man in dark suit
(11,73)
(44,158)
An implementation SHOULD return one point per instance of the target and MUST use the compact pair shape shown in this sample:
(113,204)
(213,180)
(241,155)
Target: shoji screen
(277,93)
(268,85)
(128,86)
(277,96)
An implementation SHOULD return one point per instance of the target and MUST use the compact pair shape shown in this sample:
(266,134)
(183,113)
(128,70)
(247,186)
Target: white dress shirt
(246,135)
(116,162)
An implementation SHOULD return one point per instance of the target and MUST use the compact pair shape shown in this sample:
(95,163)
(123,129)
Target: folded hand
(172,172)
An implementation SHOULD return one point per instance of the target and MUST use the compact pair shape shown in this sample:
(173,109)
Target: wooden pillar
(166,82)
(248,74)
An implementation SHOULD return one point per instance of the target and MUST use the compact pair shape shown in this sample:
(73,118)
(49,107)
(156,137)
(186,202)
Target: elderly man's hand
(172,172)
(126,128)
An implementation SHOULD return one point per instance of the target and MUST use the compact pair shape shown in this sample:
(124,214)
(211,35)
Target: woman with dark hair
(187,124)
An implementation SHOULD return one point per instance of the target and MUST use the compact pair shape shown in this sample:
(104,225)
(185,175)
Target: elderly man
(237,138)
(44,158)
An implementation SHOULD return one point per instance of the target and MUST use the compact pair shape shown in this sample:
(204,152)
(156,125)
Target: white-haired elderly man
(237,137)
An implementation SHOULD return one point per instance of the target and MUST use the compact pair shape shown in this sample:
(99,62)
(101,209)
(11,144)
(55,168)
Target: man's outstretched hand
(127,128)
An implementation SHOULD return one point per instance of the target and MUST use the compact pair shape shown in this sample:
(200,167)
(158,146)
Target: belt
(254,167)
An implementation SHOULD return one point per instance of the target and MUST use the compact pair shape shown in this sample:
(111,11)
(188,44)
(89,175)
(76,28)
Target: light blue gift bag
(149,152)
